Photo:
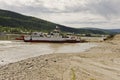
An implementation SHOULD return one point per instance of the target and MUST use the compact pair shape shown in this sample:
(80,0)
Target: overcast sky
(72,13)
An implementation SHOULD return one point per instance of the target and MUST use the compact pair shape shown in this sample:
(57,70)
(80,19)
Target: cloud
(69,12)
(46,6)
(87,22)
(106,8)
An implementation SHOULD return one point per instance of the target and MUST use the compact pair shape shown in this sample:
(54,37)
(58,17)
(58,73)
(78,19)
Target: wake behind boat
(53,37)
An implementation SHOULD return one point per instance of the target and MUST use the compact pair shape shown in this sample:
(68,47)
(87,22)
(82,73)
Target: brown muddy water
(13,51)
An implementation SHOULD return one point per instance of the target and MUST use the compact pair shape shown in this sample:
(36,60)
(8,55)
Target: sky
(103,14)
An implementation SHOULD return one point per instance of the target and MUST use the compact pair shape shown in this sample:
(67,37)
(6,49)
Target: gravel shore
(99,63)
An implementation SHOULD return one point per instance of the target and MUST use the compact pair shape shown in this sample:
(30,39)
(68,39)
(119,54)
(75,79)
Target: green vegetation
(110,37)
(19,23)
(14,30)
(92,79)
(73,74)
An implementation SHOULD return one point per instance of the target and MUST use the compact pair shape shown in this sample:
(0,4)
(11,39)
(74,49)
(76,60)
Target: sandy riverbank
(99,63)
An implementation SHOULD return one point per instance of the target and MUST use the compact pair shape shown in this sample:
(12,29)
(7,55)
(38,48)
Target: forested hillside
(14,21)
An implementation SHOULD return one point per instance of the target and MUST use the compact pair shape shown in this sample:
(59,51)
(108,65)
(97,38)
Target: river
(13,51)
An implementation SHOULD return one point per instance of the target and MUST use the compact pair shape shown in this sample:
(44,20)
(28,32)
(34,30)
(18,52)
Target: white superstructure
(54,36)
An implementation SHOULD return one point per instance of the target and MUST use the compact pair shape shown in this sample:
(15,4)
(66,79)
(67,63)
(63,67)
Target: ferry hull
(47,41)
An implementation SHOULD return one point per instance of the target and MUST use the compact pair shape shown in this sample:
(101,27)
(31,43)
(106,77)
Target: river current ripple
(13,51)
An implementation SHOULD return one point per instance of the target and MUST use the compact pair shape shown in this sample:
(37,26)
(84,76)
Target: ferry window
(41,35)
(51,33)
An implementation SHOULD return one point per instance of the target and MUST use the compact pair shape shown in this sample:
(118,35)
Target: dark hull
(67,41)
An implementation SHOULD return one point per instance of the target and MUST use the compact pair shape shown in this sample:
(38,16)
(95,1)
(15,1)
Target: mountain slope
(16,20)
(115,30)
(109,31)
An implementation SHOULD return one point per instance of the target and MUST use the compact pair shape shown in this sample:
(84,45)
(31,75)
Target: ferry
(52,37)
